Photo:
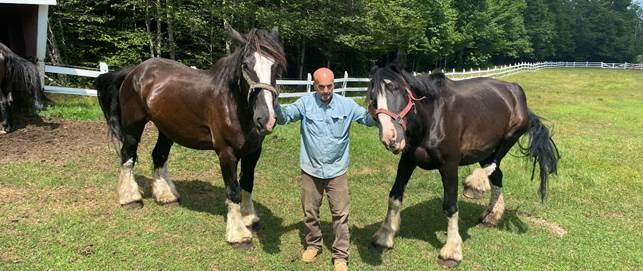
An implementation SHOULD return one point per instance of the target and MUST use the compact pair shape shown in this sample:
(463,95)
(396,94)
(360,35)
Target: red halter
(400,117)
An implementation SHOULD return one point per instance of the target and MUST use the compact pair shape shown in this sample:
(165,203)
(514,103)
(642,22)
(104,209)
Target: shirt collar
(330,104)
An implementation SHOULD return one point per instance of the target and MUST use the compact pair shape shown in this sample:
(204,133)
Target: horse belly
(191,136)
(475,156)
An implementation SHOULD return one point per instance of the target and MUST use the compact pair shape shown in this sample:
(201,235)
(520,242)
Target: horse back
(179,100)
(485,111)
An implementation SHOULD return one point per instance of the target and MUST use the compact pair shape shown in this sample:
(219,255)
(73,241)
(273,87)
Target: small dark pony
(438,123)
(20,87)
(228,109)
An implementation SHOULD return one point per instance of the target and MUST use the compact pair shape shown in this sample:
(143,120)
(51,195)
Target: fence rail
(342,84)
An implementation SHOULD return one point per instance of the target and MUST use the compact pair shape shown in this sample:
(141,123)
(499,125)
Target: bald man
(325,123)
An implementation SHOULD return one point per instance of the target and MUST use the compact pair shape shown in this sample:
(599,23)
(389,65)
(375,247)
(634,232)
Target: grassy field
(64,215)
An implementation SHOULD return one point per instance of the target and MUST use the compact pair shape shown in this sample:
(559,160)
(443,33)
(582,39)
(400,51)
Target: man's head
(324,86)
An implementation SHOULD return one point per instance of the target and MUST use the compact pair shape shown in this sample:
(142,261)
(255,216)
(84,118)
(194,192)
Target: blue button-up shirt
(324,132)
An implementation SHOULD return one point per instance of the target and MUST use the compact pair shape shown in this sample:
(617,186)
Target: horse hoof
(245,245)
(171,204)
(138,204)
(472,193)
(486,224)
(254,227)
(448,263)
(378,248)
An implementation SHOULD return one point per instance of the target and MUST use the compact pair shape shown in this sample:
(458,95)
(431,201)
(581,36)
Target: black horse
(228,108)
(441,124)
(19,86)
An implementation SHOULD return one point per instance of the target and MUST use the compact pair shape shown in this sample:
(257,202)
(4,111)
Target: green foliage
(352,35)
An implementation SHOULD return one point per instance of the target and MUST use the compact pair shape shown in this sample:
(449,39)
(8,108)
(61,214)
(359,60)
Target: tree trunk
(302,57)
(159,33)
(54,52)
(147,27)
(170,28)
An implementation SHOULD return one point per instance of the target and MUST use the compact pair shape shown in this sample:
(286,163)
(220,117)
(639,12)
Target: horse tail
(542,149)
(108,88)
(24,79)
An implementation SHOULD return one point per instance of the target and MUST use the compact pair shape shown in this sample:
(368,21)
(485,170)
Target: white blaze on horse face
(263,67)
(267,95)
(386,122)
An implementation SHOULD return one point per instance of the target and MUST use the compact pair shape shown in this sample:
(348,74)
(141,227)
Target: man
(325,122)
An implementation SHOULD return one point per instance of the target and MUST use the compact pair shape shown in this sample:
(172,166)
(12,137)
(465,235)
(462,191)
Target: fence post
(308,79)
(102,67)
(345,84)
(625,66)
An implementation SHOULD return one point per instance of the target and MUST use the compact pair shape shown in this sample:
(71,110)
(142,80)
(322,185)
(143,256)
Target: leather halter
(254,85)
(400,118)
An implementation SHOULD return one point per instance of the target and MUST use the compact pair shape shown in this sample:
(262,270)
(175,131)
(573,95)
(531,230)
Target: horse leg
(236,231)
(478,182)
(163,187)
(384,236)
(496,208)
(246,179)
(5,113)
(451,252)
(128,193)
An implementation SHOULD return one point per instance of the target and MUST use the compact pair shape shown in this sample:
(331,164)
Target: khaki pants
(312,193)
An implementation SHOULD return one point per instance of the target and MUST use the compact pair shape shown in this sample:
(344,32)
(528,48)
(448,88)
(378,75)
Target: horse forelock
(380,77)
(263,41)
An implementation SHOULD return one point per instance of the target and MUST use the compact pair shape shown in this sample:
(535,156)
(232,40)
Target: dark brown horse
(441,124)
(19,86)
(228,109)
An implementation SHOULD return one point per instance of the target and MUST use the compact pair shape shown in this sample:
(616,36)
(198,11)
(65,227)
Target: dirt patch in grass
(53,140)
(362,171)
(38,205)
(551,227)
(9,255)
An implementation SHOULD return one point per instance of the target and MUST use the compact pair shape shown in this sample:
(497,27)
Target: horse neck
(226,75)
(227,79)
(425,118)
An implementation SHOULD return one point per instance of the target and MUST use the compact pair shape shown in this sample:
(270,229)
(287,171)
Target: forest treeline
(350,35)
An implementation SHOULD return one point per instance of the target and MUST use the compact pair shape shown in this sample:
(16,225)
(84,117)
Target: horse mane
(22,78)
(257,40)
(431,86)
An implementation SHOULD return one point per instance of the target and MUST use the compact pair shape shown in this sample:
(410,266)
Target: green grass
(72,107)
(65,216)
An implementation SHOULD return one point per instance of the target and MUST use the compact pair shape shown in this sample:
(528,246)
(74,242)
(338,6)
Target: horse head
(391,98)
(261,62)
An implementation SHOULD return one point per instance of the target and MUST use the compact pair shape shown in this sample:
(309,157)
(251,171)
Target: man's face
(324,88)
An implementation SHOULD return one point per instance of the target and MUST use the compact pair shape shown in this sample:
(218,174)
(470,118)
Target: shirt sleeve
(289,113)
(361,115)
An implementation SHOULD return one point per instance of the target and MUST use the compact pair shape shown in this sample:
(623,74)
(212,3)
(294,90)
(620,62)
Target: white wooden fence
(342,84)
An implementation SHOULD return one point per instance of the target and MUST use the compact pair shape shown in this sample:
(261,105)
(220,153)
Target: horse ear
(275,31)
(438,78)
(373,70)
(236,36)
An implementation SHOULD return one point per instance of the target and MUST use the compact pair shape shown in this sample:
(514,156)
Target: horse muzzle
(265,127)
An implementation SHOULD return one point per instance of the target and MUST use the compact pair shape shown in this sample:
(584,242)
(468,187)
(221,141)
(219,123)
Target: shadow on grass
(22,118)
(426,221)
(202,196)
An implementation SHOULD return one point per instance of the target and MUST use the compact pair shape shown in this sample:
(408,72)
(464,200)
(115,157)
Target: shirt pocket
(315,123)
(340,124)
